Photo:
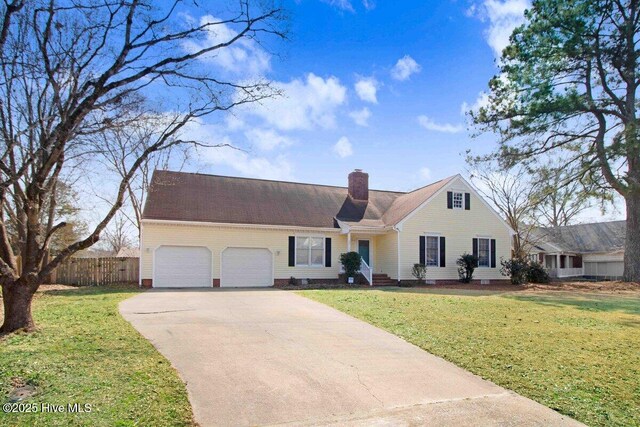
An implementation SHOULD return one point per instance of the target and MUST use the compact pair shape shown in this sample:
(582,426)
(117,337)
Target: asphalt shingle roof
(583,238)
(181,196)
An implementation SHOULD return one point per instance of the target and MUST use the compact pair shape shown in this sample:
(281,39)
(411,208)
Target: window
(433,251)
(458,200)
(484,252)
(310,251)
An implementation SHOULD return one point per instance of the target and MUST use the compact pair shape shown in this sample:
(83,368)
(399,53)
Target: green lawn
(85,352)
(578,354)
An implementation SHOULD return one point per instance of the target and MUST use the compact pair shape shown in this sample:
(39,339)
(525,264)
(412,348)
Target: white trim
(231,225)
(437,236)
(453,200)
(324,251)
(398,249)
(489,256)
(141,249)
(153,260)
(273,262)
(447,186)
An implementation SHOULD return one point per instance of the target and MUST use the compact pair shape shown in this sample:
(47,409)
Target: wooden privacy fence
(97,271)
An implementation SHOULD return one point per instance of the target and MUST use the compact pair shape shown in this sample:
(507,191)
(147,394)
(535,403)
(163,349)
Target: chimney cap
(357,170)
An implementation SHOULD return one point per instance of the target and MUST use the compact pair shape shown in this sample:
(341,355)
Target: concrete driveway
(268,357)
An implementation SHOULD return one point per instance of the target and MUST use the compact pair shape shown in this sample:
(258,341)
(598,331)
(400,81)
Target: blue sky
(367,85)
(371,86)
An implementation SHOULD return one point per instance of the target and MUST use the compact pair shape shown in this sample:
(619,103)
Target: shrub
(523,270)
(292,281)
(350,263)
(419,271)
(537,273)
(467,263)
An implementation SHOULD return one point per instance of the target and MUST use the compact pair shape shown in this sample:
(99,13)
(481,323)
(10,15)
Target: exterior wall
(459,227)
(609,256)
(387,254)
(604,265)
(218,238)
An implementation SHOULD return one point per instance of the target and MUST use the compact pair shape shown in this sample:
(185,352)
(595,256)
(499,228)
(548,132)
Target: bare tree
(117,235)
(561,198)
(512,193)
(70,70)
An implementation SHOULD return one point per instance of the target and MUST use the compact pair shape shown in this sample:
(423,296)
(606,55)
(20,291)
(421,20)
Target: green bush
(467,263)
(419,271)
(523,270)
(515,268)
(350,263)
(537,273)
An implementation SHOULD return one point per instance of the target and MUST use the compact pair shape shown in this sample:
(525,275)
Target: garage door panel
(246,267)
(182,267)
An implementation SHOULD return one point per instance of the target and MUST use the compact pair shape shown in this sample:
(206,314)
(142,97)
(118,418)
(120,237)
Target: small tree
(467,263)
(419,271)
(351,263)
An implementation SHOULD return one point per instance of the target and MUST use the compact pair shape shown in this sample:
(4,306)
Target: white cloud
(504,16)
(306,104)
(367,88)
(348,6)
(429,124)
(481,101)
(361,117)
(239,160)
(425,174)
(343,147)
(404,68)
(244,56)
(267,139)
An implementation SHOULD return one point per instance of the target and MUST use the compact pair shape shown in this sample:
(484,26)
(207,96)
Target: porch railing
(558,273)
(367,272)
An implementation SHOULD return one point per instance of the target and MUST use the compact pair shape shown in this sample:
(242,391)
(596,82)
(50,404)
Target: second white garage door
(246,267)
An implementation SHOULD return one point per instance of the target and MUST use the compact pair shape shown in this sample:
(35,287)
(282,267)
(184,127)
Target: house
(594,251)
(205,230)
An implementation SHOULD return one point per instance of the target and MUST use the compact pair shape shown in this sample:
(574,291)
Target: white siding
(217,239)
(459,227)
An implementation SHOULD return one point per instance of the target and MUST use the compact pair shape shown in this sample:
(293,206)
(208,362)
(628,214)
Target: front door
(363,250)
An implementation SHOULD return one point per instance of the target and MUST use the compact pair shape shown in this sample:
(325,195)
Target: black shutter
(327,252)
(493,253)
(475,247)
(292,251)
(449,200)
(467,201)
(422,250)
(442,252)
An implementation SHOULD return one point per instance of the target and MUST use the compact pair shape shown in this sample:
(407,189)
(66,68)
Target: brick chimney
(359,185)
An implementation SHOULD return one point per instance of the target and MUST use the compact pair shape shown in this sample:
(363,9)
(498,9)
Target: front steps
(383,280)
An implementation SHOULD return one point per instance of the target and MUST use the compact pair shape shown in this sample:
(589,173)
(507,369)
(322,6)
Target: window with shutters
(432,251)
(484,252)
(310,251)
(458,200)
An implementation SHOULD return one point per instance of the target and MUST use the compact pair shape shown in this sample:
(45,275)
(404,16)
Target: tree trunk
(16,298)
(632,243)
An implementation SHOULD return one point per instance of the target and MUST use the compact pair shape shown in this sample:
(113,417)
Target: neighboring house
(590,250)
(205,230)
(128,253)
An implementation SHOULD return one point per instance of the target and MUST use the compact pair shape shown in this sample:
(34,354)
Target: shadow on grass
(447,291)
(593,303)
(92,290)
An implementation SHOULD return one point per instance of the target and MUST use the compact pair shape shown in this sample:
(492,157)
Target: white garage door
(182,267)
(246,267)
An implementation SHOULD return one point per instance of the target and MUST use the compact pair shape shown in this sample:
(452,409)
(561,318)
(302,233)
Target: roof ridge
(433,183)
(279,181)
(584,223)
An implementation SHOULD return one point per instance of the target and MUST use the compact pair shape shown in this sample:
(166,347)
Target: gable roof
(179,196)
(584,238)
(409,202)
